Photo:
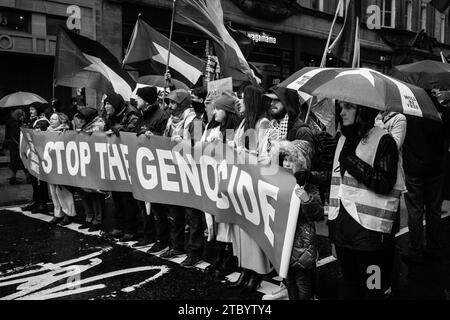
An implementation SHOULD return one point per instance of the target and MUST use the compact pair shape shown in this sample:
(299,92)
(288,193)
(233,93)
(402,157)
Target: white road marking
(231,277)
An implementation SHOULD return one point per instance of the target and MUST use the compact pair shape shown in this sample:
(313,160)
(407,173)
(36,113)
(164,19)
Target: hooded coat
(297,128)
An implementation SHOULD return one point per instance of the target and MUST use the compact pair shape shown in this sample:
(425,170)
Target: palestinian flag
(82,62)
(207,17)
(346,46)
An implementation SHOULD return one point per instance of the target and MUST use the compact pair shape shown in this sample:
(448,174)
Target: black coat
(153,119)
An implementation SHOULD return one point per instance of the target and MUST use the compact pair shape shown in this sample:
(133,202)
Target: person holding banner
(153,121)
(224,118)
(38,122)
(300,282)
(251,138)
(62,197)
(122,117)
(363,200)
(93,201)
(177,128)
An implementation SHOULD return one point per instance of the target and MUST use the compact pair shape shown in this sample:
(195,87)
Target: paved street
(38,261)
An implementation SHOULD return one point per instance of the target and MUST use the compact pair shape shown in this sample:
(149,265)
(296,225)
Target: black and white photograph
(226,157)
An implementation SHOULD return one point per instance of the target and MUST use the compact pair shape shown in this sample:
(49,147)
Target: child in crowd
(300,282)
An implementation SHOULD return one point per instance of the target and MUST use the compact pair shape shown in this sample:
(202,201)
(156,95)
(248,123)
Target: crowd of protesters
(375,158)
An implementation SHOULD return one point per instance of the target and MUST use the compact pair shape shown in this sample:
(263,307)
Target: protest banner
(212,177)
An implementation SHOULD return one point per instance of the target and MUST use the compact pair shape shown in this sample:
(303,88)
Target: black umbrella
(427,74)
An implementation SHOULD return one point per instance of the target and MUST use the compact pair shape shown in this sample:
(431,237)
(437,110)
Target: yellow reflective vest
(371,210)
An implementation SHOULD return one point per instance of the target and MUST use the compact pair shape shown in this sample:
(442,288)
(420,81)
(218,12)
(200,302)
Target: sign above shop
(261,37)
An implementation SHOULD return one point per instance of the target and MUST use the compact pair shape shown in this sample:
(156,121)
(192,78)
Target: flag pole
(170,46)
(444,59)
(324,57)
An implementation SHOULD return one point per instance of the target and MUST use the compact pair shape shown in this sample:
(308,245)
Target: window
(317,5)
(53,24)
(15,20)
(442,36)
(409,9)
(388,14)
(423,16)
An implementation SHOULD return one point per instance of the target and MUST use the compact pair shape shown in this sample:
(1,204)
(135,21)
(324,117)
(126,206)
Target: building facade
(289,35)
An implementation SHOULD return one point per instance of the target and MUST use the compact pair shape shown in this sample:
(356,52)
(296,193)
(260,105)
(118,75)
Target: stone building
(290,35)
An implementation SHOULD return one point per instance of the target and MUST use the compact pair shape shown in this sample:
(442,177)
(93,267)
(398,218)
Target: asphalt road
(38,261)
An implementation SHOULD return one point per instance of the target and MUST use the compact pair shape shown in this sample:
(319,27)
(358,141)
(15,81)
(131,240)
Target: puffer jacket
(304,250)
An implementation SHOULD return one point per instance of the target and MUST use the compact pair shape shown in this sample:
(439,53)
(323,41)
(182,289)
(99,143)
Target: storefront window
(53,24)
(15,20)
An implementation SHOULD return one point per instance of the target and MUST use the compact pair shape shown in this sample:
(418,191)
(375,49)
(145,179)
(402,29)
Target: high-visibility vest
(371,210)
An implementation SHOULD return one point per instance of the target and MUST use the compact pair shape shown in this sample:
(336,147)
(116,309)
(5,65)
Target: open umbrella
(159,81)
(365,87)
(20,99)
(427,74)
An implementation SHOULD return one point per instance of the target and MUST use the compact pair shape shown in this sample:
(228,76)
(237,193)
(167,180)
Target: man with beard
(287,121)
(152,122)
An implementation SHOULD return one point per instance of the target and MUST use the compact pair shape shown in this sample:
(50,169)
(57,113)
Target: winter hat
(299,151)
(116,100)
(87,113)
(180,96)
(148,94)
(225,102)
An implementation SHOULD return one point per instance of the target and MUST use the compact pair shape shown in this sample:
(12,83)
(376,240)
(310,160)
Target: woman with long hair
(224,118)
(363,199)
(251,138)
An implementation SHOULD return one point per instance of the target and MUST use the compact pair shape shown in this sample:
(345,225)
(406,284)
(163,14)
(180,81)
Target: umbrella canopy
(159,81)
(365,87)
(427,74)
(20,99)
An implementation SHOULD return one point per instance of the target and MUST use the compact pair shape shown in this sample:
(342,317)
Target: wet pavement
(35,257)
(39,261)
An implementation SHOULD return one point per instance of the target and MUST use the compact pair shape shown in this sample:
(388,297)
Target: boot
(229,263)
(253,283)
(220,253)
(30,206)
(242,280)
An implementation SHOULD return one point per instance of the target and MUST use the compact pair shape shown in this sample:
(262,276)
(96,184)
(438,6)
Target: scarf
(177,123)
(277,131)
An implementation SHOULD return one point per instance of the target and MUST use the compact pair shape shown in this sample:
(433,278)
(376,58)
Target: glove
(116,131)
(139,133)
(349,148)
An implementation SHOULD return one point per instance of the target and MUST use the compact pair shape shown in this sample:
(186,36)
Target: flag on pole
(207,16)
(346,47)
(148,52)
(441,5)
(82,62)
(444,59)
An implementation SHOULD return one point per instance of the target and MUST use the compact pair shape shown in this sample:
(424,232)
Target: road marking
(265,286)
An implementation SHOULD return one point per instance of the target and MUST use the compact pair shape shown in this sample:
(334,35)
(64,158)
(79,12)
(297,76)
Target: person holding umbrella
(363,200)
(13,135)
(39,122)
